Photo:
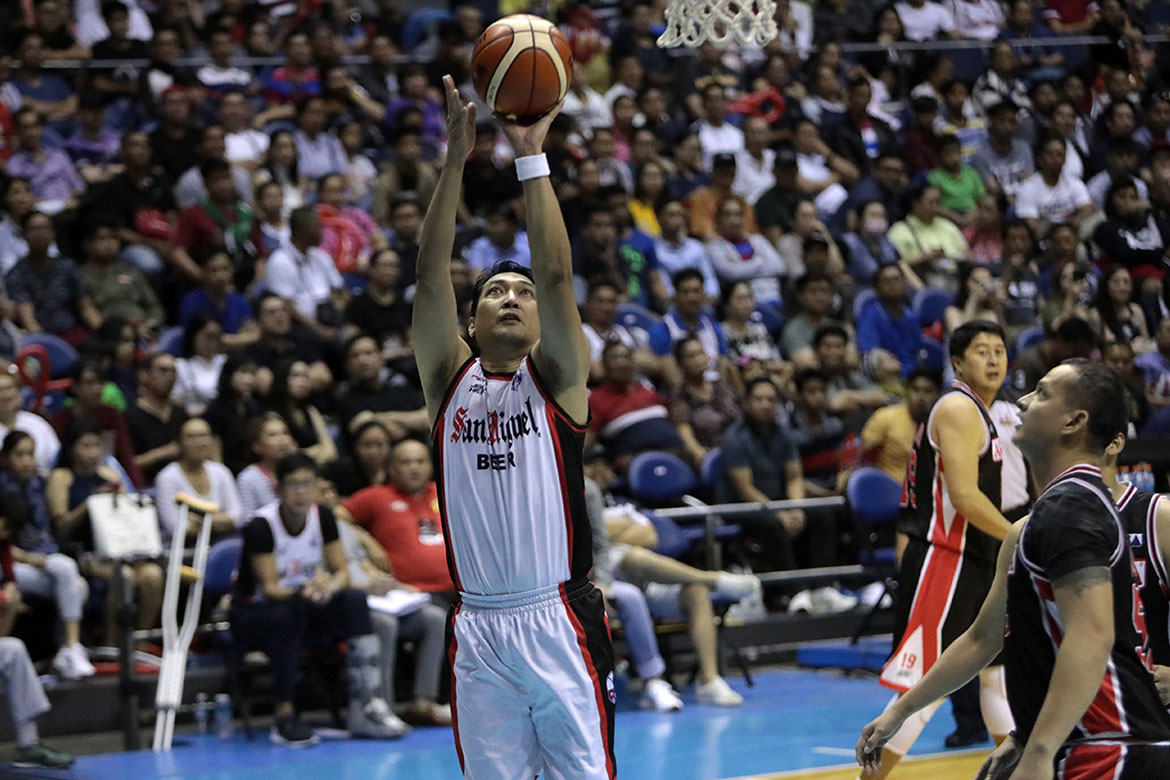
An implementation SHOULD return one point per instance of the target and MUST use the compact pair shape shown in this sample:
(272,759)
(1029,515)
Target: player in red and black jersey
(1146,519)
(953,524)
(1081,694)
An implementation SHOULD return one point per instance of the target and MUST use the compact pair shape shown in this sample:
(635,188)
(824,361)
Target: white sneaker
(801,602)
(659,696)
(81,663)
(375,720)
(65,664)
(737,586)
(718,693)
(829,601)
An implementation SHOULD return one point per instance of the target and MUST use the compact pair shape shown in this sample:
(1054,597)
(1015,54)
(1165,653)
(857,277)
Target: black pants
(815,546)
(281,629)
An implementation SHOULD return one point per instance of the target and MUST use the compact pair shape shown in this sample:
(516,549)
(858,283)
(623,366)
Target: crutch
(176,638)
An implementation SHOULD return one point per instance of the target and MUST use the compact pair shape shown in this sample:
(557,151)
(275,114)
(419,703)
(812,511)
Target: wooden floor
(949,767)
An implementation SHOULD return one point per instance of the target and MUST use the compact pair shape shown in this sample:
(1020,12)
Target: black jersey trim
(449,393)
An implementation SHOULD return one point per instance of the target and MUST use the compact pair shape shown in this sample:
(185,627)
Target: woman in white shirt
(197,371)
(196,474)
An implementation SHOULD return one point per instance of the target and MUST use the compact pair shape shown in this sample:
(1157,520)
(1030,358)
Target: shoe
(375,720)
(81,661)
(427,713)
(42,756)
(718,693)
(958,740)
(801,602)
(737,586)
(66,665)
(291,732)
(660,697)
(830,601)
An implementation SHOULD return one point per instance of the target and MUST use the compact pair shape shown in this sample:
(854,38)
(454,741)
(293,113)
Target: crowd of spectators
(221,213)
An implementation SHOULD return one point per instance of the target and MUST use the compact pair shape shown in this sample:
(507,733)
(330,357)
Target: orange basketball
(521,66)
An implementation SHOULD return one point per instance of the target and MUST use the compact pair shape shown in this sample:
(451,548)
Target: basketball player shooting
(532,662)
(953,523)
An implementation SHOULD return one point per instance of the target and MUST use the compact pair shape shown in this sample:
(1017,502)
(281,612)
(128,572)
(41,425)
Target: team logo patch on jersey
(996,450)
(610,691)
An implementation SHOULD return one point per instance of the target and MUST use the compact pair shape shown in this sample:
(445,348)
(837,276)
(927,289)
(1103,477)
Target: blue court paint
(790,720)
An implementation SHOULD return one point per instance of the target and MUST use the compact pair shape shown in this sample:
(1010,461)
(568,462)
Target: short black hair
(678,345)
(963,335)
(1002,107)
(1098,390)
(924,372)
(110,8)
(502,267)
(1075,330)
(686,274)
(214,165)
(948,140)
(806,279)
(296,461)
(830,329)
(806,375)
(599,281)
(752,384)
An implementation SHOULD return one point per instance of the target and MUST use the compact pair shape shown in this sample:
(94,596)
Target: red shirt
(409,529)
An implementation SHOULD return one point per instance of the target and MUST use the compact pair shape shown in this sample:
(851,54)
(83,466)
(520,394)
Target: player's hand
(1002,761)
(876,734)
(528,139)
(460,123)
(1162,683)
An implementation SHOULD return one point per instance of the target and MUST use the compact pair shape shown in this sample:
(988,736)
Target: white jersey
(511,489)
(297,557)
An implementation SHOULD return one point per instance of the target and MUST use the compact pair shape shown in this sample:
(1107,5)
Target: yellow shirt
(890,432)
(644,218)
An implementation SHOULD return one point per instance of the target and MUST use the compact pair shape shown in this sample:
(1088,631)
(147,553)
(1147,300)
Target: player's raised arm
(562,354)
(438,348)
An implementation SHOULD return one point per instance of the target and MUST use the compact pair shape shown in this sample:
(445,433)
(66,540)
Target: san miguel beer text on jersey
(494,427)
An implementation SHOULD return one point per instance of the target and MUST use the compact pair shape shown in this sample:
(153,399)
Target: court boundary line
(794,773)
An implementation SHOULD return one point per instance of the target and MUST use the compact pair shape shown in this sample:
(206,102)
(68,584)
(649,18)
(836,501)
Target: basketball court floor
(794,724)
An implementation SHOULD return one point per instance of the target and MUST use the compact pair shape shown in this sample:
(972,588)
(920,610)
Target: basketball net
(722,22)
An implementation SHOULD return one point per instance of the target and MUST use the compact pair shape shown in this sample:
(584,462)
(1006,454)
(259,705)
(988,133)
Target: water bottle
(1124,475)
(201,712)
(224,725)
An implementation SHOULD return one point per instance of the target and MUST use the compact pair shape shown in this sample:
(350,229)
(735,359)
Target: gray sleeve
(595,510)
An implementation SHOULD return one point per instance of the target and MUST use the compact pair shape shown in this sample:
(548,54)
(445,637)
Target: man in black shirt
(280,341)
(379,311)
(1081,694)
(293,590)
(155,422)
(379,391)
(176,141)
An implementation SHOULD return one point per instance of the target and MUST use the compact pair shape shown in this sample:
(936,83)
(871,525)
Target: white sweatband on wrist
(532,167)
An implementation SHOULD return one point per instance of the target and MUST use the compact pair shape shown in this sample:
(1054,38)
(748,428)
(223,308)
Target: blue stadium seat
(672,542)
(659,477)
(62,355)
(710,468)
(421,24)
(1029,337)
(933,354)
(873,495)
(171,340)
(932,304)
(771,317)
(634,315)
(219,574)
